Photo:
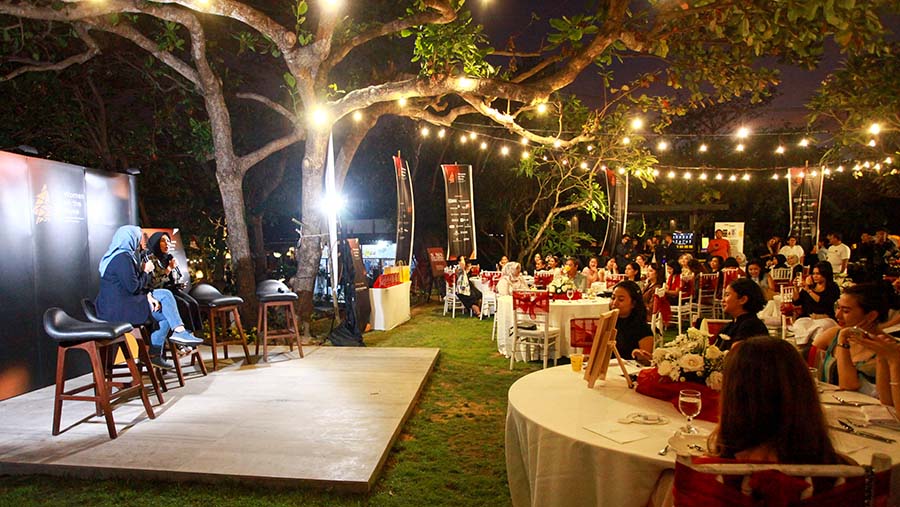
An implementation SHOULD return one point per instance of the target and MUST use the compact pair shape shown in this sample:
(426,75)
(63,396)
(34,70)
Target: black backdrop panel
(108,201)
(61,258)
(18,318)
(55,224)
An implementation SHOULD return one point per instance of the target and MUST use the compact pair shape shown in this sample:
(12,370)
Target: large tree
(708,51)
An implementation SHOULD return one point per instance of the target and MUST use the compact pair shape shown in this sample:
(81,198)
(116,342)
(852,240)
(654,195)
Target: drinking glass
(689,405)
(570,294)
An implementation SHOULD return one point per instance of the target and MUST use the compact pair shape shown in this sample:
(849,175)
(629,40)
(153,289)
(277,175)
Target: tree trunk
(257,246)
(309,252)
(231,188)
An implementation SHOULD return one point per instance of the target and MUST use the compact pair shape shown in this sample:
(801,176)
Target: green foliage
(571,30)
(560,239)
(169,39)
(202,143)
(459,47)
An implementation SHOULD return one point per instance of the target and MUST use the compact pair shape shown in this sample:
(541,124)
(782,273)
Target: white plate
(688,445)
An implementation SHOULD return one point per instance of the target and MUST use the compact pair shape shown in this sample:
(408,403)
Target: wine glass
(689,404)
(570,293)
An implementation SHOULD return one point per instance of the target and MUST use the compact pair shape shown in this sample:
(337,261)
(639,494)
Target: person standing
(623,252)
(792,248)
(667,251)
(719,246)
(838,253)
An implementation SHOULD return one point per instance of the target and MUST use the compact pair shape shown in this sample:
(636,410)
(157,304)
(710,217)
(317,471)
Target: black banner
(617,195)
(48,212)
(805,196)
(460,211)
(406,212)
(363,305)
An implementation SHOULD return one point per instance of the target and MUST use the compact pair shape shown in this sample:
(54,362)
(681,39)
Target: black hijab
(153,244)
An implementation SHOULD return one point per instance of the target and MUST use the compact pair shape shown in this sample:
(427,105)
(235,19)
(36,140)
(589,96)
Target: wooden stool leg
(225,327)
(212,335)
(144,356)
(101,387)
(259,323)
(173,351)
(196,357)
(265,332)
(60,387)
(237,322)
(136,375)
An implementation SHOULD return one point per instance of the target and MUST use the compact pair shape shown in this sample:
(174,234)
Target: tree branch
(92,50)
(271,104)
(247,161)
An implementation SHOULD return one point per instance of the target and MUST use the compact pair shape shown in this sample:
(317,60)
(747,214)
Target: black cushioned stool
(93,338)
(154,372)
(276,295)
(214,303)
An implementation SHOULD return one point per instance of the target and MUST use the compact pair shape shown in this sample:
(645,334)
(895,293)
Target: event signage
(460,211)
(734,233)
(56,220)
(363,305)
(406,212)
(805,196)
(617,192)
(437,261)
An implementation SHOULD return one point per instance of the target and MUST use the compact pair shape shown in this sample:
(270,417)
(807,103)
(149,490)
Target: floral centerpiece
(690,358)
(687,362)
(560,285)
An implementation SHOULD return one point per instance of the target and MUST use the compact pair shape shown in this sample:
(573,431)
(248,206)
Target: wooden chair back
(612,279)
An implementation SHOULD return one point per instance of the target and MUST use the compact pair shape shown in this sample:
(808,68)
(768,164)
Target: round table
(551,459)
(561,312)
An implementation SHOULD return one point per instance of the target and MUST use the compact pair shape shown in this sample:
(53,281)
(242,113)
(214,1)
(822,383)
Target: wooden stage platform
(327,420)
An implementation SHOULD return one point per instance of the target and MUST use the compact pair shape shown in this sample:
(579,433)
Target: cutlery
(663,451)
(842,401)
(849,428)
(696,447)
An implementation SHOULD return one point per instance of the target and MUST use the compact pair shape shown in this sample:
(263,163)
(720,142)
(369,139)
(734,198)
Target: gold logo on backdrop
(41,208)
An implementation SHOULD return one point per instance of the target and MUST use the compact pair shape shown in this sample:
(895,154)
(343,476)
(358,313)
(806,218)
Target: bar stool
(90,311)
(92,338)
(214,303)
(276,295)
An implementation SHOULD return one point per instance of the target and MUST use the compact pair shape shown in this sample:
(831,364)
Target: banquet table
(553,460)
(390,306)
(561,312)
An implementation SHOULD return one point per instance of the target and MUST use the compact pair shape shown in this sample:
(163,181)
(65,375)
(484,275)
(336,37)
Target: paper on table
(844,444)
(881,415)
(615,432)
(630,366)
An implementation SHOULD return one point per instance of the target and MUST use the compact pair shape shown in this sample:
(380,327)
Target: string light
(425,131)
(526,155)
(775,176)
(637,123)
(746,177)
(463,138)
(779,150)
(739,147)
(703,148)
(542,108)
(473,136)
(732,178)
(402,102)
(442,133)
(557,143)
(718,177)
(687,175)
(524,141)
(621,170)
(814,174)
(504,150)
(656,173)
(703,176)
(565,161)
(590,147)
(804,142)
(583,165)
(626,140)
(875,129)
(671,175)
(483,145)
(357,116)
(872,143)
(662,145)
(743,132)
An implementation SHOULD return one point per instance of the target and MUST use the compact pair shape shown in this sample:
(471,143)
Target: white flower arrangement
(560,285)
(690,357)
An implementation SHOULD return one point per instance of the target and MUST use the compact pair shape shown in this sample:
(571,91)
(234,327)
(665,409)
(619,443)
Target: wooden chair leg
(136,376)
(101,387)
(60,387)
(212,337)
(144,356)
(259,321)
(293,318)
(173,351)
(265,332)
(225,327)
(237,322)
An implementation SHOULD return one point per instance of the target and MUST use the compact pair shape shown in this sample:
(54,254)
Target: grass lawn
(449,453)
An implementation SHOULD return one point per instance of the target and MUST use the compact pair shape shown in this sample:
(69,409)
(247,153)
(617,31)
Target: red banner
(460,211)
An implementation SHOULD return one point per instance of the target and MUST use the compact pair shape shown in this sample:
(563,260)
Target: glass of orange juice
(577,362)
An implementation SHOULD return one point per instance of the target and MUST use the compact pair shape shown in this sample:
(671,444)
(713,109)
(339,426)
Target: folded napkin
(615,432)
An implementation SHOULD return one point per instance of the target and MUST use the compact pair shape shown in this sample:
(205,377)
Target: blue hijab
(127,239)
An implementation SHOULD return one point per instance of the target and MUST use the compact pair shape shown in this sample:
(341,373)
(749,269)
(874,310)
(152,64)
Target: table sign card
(604,344)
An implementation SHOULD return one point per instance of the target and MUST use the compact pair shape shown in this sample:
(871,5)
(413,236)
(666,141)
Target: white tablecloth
(561,312)
(390,306)
(552,460)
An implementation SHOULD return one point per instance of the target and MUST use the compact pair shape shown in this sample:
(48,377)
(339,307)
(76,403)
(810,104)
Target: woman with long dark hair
(818,293)
(634,338)
(167,274)
(742,299)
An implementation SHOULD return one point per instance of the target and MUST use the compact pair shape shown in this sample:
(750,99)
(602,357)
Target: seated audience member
(817,293)
(770,418)
(792,248)
(122,297)
(553,265)
(849,364)
(758,274)
(887,366)
(742,299)
(539,263)
(511,279)
(570,271)
(732,263)
(167,275)
(592,271)
(633,272)
(778,261)
(503,260)
(634,339)
(467,293)
(611,269)
(769,250)
(653,282)
(673,282)
(642,262)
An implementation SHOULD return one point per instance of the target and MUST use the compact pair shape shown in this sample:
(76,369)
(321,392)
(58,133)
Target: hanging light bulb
(739,147)
(814,174)
(872,143)
(687,175)
(402,102)
(671,175)
(524,141)
(732,178)
(656,173)
(637,123)
(425,131)
(621,170)
(840,169)
(590,147)
(442,133)
(473,136)
(483,145)
(557,143)
(775,176)
(583,165)
(804,142)
(626,140)
(779,150)
(662,145)
(875,129)
(703,148)
(357,116)
(526,155)
(542,108)
(718,176)
(746,177)
(504,150)
(703,176)
(827,172)
(463,138)
(742,133)
(888,160)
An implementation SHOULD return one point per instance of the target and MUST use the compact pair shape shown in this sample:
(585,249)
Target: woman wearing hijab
(166,275)
(122,297)
(511,279)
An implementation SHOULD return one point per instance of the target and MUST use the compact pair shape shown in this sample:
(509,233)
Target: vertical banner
(332,198)
(363,305)
(460,211)
(406,212)
(734,233)
(617,195)
(805,196)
